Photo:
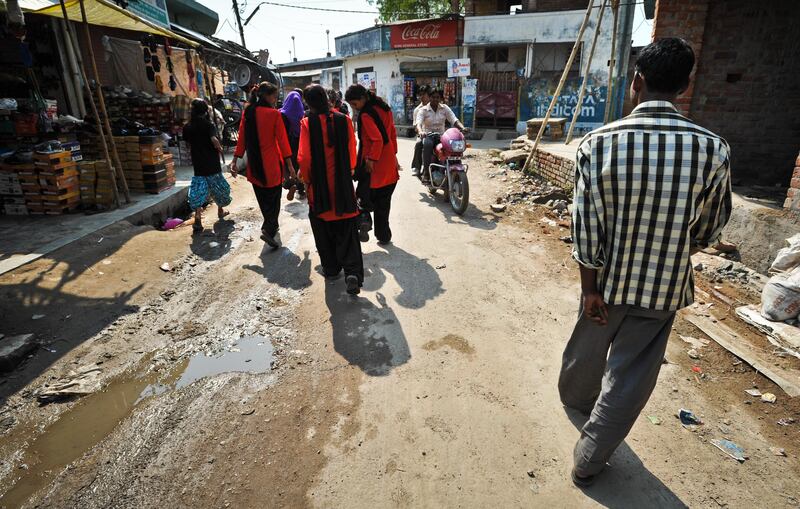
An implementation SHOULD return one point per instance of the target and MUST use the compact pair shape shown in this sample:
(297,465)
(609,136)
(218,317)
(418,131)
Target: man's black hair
(432,91)
(424,90)
(666,65)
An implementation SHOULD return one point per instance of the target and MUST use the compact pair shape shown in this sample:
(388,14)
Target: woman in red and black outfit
(262,136)
(327,156)
(378,170)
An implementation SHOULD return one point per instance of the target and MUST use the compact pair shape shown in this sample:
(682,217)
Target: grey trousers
(611,371)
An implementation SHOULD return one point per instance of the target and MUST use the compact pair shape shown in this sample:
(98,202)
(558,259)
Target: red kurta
(304,160)
(274,145)
(385,156)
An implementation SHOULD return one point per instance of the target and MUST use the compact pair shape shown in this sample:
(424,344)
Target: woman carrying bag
(327,156)
(262,136)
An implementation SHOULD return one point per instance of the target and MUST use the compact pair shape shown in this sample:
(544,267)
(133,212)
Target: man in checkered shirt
(650,189)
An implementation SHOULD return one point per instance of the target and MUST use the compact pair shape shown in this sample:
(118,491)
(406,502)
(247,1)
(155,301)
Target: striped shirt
(649,188)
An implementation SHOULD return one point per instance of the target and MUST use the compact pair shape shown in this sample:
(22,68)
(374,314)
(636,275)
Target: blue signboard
(536,95)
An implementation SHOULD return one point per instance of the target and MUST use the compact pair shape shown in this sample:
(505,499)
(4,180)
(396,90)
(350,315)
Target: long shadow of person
(366,335)
(284,268)
(474,216)
(212,245)
(628,484)
(418,280)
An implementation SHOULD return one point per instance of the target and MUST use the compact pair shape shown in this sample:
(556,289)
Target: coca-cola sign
(425,34)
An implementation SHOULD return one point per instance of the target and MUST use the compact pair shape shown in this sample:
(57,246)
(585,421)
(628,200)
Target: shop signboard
(469,98)
(458,67)
(425,34)
(536,96)
(154,11)
(366,80)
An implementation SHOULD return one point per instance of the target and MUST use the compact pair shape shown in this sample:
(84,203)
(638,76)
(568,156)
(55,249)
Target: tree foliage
(395,10)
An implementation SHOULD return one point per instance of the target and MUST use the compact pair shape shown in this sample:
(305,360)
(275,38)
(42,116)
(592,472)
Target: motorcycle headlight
(458,146)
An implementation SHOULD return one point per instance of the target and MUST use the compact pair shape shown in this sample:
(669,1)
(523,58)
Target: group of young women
(309,147)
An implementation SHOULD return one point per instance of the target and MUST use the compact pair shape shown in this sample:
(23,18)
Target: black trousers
(416,162)
(382,205)
(269,201)
(428,146)
(338,246)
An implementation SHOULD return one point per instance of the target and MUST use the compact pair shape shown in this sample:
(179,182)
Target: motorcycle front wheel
(459,192)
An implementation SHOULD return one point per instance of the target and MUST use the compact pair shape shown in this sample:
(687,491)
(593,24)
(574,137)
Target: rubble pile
(731,272)
(525,189)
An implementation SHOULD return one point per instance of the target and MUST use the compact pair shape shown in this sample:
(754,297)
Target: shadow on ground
(284,268)
(64,319)
(366,335)
(473,216)
(212,244)
(627,483)
(418,280)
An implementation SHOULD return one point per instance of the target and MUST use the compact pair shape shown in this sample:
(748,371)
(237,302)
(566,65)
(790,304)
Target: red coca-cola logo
(425,34)
(429,31)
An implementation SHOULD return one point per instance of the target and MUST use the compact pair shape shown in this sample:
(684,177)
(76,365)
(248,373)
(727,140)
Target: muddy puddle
(94,417)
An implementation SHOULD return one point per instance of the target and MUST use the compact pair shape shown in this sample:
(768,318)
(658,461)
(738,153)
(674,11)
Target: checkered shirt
(649,188)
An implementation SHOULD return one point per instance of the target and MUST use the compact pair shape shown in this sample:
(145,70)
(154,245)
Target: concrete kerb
(67,230)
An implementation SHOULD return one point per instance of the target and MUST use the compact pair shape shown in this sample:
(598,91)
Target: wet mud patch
(452,341)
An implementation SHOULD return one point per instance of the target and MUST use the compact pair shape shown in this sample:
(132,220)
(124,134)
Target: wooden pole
(120,174)
(560,84)
(582,92)
(95,113)
(612,63)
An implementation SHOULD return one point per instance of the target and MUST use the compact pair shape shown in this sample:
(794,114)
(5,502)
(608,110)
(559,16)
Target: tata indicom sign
(425,34)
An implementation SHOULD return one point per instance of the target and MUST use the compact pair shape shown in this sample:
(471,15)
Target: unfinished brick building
(746,85)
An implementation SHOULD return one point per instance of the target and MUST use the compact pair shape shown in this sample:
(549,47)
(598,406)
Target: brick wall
(555,169)
(746,86)
(678,18)
(793,196)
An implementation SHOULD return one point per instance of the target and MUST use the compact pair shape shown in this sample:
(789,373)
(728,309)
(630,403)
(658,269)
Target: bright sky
(273,27)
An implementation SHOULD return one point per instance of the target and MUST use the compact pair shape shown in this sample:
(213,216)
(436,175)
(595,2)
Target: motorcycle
(446,171)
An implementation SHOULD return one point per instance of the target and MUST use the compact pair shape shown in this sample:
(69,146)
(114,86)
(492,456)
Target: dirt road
(435,388)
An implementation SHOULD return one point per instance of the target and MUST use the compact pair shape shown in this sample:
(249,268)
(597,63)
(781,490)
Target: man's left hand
(370,165)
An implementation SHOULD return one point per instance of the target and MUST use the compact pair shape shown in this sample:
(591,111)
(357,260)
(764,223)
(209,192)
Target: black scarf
(252,144)
(339,139)
(369,109)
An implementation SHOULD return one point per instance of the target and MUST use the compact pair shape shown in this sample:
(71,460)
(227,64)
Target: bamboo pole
(582,92)
(117,163)
(612,63)
(95,113)
(560,85)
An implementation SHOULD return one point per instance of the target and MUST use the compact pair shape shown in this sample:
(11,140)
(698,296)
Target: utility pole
(328,37)
(239,22)
(294,49)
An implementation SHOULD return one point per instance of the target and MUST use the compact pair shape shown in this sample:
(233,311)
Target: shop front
(67,146)
(396,59)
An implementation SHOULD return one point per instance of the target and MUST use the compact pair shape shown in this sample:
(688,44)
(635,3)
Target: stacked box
(151,154)
(74,148)
(87,178)
(59,189)
(169,164)
(11,192)
(104,188)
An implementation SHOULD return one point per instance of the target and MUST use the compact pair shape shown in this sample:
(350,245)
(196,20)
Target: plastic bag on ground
(780,299)
(788,258)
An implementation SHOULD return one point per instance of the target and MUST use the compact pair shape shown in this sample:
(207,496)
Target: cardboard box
(15,210)
(52,158)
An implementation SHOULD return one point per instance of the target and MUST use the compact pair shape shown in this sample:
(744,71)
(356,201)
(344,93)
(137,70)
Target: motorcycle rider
(430,123)
(424,98)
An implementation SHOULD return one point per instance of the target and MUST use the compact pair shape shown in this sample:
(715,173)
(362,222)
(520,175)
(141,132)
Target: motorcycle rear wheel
(459,192)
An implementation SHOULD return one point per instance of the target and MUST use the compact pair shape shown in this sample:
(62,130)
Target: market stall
(76,140)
